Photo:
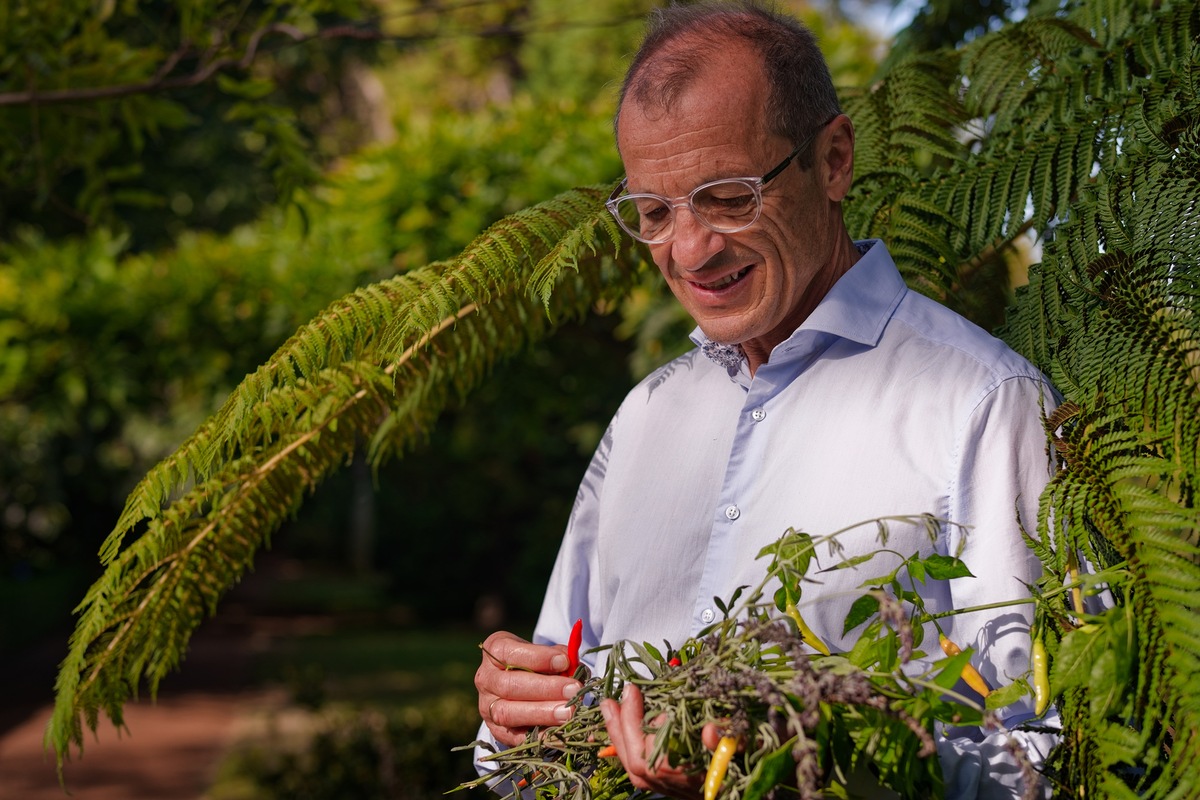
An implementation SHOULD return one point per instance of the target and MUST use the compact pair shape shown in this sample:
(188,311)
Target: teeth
(728,279)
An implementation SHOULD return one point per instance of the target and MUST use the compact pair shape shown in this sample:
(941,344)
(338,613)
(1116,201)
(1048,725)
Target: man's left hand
(634,747)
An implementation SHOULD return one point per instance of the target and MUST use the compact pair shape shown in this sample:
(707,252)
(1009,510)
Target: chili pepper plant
(806,720)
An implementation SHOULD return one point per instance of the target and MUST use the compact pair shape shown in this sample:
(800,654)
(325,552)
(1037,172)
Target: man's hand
(634,746)
(520,686)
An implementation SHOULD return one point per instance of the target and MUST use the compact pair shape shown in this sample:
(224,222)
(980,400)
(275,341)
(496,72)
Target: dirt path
(170,751)
(171,748)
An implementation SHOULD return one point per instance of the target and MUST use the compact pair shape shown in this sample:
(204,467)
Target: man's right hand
(520,686)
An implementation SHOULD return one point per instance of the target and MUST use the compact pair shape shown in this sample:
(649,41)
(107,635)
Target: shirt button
(707,616)
(758,414)
(733,512)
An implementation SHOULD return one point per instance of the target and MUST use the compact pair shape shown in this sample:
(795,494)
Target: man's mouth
(727,280)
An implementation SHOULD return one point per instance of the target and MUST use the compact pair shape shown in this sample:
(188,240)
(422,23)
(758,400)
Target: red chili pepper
(573,649)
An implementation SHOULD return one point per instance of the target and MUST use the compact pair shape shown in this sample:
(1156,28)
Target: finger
(611,711)
(523,686)
(635,744)
(514,714)
(508,737)
(631,722)
(624,722)
(507,652)
(710,736)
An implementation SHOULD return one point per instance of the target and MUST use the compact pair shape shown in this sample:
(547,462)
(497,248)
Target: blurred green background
(184,183)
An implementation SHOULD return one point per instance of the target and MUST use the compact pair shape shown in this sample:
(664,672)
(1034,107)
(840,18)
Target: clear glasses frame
(708,218)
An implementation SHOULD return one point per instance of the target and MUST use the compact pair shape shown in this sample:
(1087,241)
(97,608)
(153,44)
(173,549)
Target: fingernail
(559,663)
(562,713)
(571,689)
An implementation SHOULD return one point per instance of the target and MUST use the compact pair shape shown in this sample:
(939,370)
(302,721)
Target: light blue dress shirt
(882,403)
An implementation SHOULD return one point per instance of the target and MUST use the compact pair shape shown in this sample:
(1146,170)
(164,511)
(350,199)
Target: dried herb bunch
(808,724)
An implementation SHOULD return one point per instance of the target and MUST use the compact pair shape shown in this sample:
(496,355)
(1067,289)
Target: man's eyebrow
(709,177)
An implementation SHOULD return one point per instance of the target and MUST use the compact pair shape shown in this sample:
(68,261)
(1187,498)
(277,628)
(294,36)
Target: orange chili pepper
(969,673)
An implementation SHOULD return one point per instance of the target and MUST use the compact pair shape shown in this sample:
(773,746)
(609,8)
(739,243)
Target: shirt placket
(733,512)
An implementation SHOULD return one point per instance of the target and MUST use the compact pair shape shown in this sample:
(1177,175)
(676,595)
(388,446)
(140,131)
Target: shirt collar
(857,308)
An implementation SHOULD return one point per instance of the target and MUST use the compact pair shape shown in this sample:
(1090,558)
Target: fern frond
(376,366)
(1113,315)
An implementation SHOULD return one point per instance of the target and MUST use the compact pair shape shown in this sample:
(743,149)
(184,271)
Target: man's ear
(836,159)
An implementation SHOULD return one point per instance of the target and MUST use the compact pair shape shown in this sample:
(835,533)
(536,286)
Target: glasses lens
(645,217)
(727,205)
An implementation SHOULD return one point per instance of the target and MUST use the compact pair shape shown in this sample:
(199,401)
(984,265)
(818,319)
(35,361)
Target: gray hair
(680,39)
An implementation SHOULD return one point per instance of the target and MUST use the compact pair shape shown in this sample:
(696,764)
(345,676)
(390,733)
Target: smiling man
(753,256)
(822,393)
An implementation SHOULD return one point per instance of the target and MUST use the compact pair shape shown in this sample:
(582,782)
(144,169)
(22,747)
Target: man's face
(756,286)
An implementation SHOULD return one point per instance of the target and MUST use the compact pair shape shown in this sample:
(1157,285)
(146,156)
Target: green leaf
(862,653)
(850,563)
(1109,681)
(916,569)
(943,568)
(771,770)
(955,713)
(1007,695)
(860,611)
(952,669)
(1076,655)
(250,89)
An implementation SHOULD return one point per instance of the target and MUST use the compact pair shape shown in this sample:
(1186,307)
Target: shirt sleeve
(1003,467)
(574,581)
(569,592)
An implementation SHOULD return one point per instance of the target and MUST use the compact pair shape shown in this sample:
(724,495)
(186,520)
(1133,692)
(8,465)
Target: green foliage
(946,24)
(1079,124)
(817,724)
(109,359)
(406,754)
(133,114)
(374,370)
(1111,315)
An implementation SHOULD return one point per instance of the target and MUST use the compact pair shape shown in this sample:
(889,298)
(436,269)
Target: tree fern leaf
(290,424)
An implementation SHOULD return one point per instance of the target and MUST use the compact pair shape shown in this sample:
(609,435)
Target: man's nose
(693,244)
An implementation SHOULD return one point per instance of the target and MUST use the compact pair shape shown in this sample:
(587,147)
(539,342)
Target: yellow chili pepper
(1073,576)
(718,766)
(806,633)
(969,673)
(1041,677)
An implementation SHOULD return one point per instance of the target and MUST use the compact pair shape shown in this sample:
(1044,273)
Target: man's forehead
(714,129)
(691,67)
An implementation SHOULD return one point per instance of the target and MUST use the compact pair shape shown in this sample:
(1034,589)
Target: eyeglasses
(727,205)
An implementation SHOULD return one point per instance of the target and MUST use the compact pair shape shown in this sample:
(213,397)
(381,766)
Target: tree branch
(161,81)
(202,73)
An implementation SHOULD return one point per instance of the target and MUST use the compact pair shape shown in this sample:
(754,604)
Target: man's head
(680,40)
(729,91)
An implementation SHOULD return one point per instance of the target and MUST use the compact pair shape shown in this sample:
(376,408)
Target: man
(822,393)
